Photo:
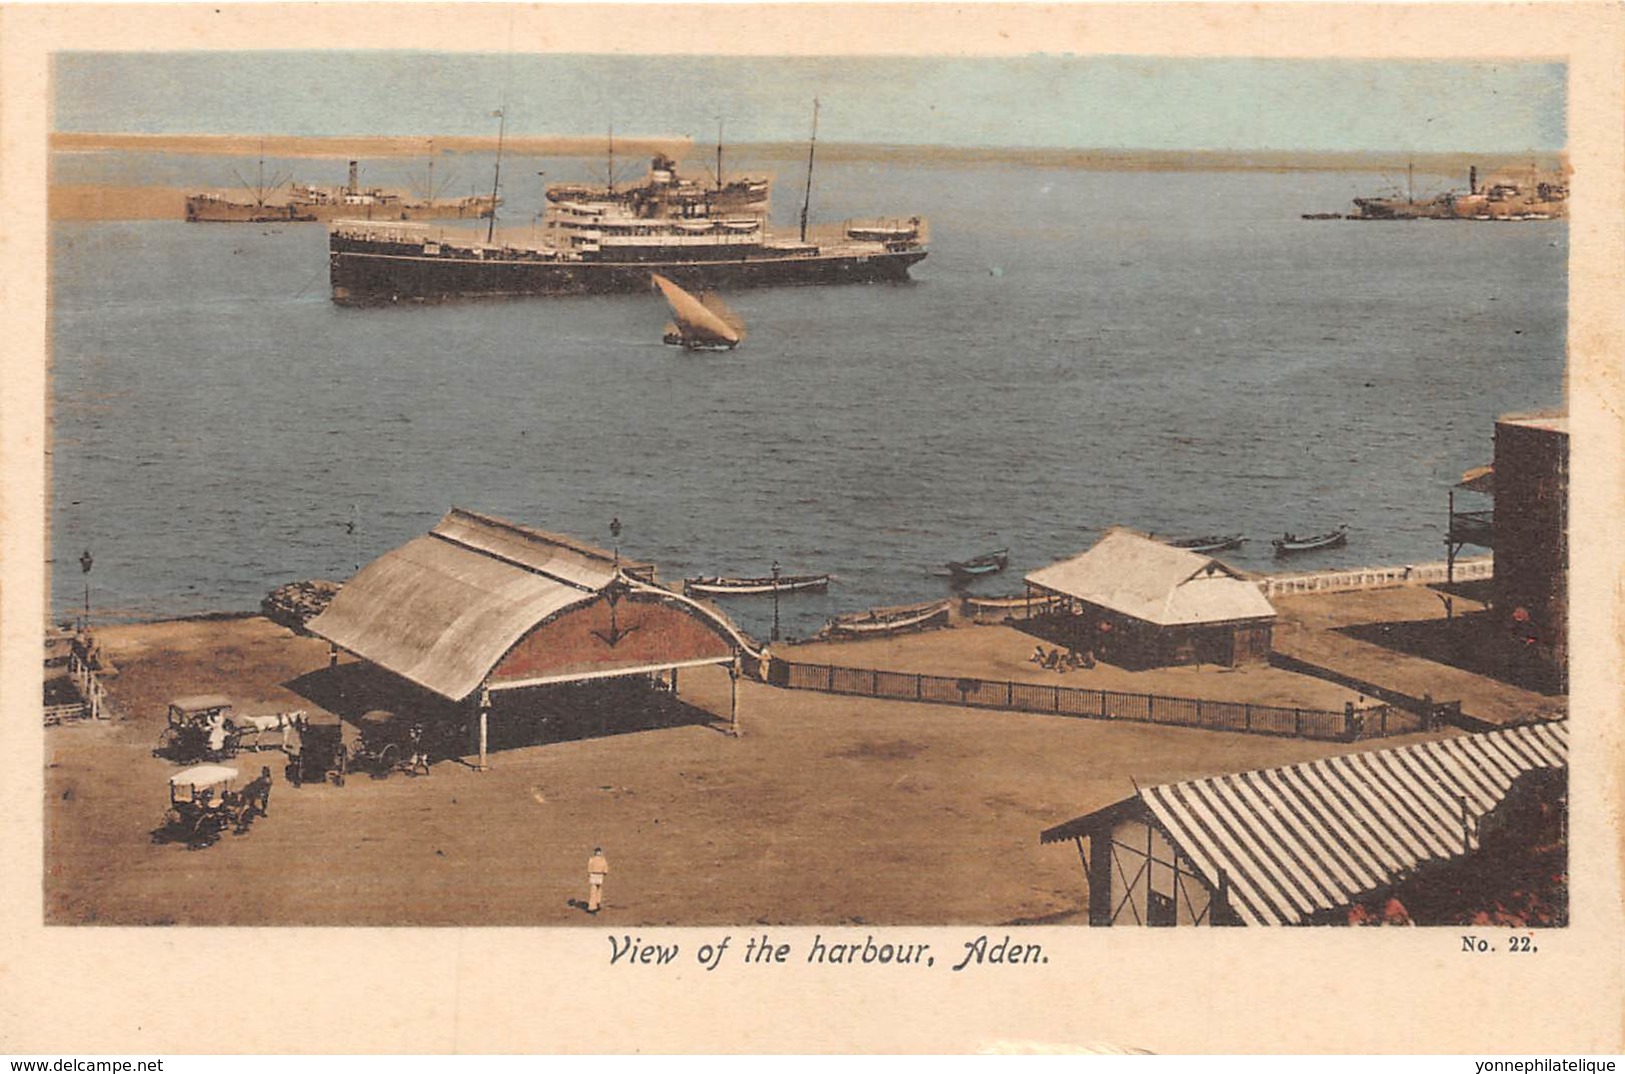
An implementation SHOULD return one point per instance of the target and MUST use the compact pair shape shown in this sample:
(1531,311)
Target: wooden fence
(1347,725)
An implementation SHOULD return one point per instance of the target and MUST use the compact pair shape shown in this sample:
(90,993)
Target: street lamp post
(86,561)
(775,600)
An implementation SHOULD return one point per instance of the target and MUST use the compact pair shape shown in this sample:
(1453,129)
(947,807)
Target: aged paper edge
(86,990)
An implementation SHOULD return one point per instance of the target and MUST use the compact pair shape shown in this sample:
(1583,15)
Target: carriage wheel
(388,758)
(166,743)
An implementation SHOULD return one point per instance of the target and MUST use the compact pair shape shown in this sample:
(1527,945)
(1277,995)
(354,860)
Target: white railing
(1344,581)
(90,687)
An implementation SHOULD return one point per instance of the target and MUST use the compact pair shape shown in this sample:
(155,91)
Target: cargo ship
(311,203)
(1504,198)
(600,239)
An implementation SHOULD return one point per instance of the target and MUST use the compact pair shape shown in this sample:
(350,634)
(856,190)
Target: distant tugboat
(606,240)
(699,324)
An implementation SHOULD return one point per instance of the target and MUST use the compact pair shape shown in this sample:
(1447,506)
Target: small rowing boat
(1212,542)
(881,622)
(1291,543)
(987,563)
(749,587)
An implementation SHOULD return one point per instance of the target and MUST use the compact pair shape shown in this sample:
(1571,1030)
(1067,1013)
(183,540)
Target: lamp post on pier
(775,635)
(86,561)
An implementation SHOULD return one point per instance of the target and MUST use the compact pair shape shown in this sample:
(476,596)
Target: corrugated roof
(1148,580)
(443,609)
(552,554)
(1293,841)
(440,613)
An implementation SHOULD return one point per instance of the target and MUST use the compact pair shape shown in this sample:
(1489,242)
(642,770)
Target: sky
(1048,101)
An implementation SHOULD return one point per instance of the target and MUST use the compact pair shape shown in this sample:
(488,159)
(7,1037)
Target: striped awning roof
(1291,842)
(1315,836)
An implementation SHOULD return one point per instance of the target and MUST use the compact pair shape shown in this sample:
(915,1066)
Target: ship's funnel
(1472,179)
(352,187)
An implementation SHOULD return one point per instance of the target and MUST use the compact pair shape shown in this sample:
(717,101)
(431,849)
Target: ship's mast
(502,127)
(719,154)
(812,147)
(609,169)
(260,189)
(1410,182)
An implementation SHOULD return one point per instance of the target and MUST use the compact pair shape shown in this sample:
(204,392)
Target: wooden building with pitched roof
(1301,844)
(1139,603)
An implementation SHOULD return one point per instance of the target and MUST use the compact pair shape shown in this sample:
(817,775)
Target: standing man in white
(597,869)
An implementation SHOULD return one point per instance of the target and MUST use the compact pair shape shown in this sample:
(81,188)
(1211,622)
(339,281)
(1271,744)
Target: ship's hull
(369,273)
(201,211)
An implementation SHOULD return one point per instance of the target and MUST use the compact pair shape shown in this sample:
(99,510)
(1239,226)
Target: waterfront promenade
(940,804)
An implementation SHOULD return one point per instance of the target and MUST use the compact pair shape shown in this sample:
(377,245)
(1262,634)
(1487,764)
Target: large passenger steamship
(602,239)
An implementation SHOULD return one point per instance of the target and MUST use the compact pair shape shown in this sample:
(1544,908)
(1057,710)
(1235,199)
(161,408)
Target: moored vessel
(750,587)
(882,622)
(600,239)
(307,202)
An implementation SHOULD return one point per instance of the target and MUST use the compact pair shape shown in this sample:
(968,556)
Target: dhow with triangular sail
(702,323)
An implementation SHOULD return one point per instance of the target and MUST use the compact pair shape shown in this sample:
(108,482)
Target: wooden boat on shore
(1290,543)
(1212,542)
(882,622)
(977,566)
(1018,605)
(750,587)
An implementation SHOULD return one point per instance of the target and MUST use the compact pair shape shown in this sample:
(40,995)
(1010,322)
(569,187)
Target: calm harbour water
(1177,352)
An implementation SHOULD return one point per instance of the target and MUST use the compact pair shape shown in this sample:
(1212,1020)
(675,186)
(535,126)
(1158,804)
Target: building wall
(1147,882)
(643,631)
(1132,643)
(1531,544)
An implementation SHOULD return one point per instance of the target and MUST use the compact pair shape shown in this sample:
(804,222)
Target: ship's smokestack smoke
(1472,179)
(351,189)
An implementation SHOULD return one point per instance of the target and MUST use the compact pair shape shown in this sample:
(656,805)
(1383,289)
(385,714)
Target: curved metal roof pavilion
(480,604)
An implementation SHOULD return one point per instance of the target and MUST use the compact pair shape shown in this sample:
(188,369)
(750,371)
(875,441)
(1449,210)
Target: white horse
(277,721)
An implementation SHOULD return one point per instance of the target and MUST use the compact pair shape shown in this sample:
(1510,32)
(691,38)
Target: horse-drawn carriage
(316,752)
(207,727)
(386,743)
(379,744)
(199,729)
(202,804)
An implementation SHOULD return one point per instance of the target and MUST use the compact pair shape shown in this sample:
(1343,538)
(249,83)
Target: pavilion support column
(485,712)
(673,682)
(733,698)
(332,655)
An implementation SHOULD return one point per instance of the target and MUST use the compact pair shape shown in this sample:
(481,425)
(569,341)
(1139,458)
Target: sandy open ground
(827,810)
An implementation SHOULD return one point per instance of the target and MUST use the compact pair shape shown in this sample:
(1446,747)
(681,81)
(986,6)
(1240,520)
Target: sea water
(1174,351)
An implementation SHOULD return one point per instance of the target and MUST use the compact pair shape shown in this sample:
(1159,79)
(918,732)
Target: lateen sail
(713,302)
(696,323)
